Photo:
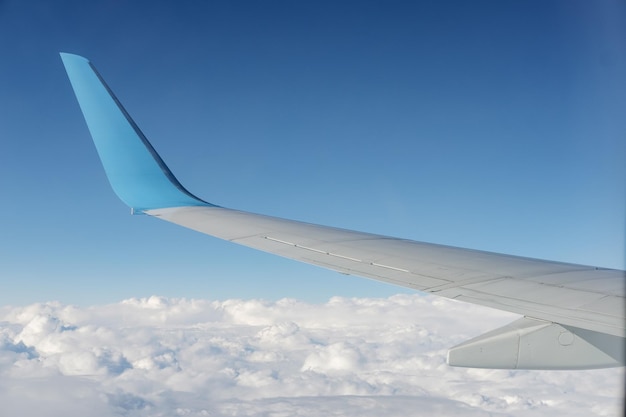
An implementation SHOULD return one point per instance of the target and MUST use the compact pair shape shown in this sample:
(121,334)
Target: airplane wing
(573,315)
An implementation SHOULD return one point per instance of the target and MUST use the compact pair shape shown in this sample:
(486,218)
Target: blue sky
(491,125)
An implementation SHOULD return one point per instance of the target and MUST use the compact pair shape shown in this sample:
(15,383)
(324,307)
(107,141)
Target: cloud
(162,356)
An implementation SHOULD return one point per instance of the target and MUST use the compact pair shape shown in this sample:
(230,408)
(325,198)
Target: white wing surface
(573,315)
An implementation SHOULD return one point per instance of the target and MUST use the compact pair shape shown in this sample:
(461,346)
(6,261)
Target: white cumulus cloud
(161,356)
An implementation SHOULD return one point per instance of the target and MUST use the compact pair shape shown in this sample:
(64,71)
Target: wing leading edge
(574,315)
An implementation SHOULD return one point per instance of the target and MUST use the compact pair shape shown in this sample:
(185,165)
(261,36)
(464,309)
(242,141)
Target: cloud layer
(348,357)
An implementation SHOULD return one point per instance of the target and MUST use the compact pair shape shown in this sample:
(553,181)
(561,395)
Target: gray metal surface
(536,344)
(575,295)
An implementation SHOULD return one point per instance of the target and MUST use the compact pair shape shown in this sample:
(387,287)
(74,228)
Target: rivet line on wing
(390,267)
(336,255)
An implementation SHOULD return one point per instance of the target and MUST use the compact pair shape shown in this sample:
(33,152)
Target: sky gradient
(486,124)
(491,125)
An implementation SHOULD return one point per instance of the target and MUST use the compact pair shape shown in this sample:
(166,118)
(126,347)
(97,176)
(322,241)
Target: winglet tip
(140,178)
(66,57)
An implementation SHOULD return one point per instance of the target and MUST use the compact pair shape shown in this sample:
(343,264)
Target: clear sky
(487,124)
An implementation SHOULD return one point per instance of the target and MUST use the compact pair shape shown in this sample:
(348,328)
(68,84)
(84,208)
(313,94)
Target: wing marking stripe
(323,252)
(390,267)
(336,254)
(349,258)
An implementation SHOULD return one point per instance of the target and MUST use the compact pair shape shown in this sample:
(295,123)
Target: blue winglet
(136,172)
